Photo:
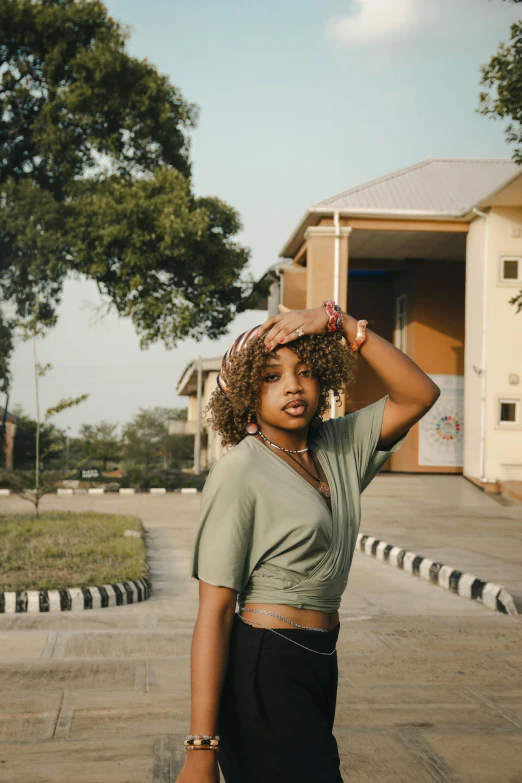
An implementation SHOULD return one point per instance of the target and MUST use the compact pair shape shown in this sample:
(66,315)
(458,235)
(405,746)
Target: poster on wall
(441,431)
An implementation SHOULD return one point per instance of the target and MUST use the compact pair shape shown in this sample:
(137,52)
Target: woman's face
(289,394)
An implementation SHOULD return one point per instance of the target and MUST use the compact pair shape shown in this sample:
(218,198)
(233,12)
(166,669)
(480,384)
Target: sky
(298,100)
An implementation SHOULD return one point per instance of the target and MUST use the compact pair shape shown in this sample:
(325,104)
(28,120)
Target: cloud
(388,22)
(376,21)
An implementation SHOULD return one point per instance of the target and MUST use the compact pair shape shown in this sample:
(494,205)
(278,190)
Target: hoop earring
(316,423)
(251,427)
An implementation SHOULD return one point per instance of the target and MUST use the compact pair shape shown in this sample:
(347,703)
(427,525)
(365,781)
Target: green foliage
(52,443)
(164,259)
(95,179)
(71,93)
(146,441)
(517,300)
(100,442)
(181,414)
(502,97)
(143,479)
(64,404)
(6,349)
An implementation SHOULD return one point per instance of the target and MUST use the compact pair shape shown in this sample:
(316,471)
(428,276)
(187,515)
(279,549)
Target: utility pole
(67,440)
(197,440)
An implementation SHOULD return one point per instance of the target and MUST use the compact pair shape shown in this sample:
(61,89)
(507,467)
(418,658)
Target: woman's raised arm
(410,392)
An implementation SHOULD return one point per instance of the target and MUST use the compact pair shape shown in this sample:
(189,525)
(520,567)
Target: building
(211,449)
(431,256)
(8,438)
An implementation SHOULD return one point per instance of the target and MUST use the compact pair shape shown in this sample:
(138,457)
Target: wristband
(360,336)
(335,319)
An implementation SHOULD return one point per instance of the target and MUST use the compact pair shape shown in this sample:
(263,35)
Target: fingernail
(268,347)
(282,340)
(256,334)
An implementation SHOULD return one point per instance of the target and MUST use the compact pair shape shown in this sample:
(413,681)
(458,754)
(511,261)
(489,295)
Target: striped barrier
(74,599)
(492,595)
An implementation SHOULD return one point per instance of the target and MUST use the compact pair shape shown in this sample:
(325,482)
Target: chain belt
(280,617)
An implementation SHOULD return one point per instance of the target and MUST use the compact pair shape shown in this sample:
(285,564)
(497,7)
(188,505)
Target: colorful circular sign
(448,427)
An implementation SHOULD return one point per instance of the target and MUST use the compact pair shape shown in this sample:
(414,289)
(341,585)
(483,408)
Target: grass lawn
(68,550)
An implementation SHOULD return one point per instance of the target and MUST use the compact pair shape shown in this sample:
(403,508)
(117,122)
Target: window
(508,411)
(400,323)
(510,270)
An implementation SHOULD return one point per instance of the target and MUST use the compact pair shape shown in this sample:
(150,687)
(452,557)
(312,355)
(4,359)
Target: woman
(280,517)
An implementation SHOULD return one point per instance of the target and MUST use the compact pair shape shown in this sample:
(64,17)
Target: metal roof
(437,186)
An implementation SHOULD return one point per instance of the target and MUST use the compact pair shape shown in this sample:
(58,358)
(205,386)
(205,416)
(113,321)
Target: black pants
(278,707)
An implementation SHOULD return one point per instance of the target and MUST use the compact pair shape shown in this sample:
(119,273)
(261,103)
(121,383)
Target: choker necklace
(281,448)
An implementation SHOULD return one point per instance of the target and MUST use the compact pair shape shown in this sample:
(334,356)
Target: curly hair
(329,360)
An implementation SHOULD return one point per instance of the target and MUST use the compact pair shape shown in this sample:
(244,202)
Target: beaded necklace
(282,448)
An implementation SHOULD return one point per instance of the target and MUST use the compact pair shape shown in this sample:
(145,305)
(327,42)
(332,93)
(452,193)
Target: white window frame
(510,281)
(401,320)
(511,401)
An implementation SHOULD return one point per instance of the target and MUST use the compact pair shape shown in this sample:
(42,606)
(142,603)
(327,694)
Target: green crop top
(268,534)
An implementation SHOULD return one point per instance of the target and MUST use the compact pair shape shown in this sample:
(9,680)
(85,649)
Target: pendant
(324,489)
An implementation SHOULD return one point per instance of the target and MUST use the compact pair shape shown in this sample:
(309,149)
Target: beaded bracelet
(201,742)
(335,318)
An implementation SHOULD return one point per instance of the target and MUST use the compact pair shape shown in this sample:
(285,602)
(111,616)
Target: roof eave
(297,237)
(483,201)
(185,380)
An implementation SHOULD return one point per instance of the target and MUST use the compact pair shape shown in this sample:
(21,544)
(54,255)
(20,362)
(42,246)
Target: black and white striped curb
(492,595)
(67,492)
(75,598)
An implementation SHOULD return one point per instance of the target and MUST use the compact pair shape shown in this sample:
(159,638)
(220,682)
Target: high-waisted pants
(278,707)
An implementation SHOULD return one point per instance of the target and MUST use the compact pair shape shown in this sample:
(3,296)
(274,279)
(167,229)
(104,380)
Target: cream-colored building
(430,255)
(211,449)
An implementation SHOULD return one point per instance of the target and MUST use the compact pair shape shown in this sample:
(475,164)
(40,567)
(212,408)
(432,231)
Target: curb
(121,491)
(74,599)
(492,595)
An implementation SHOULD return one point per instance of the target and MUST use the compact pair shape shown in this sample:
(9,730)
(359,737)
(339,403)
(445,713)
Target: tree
(502,97)
(100,442)
(35,487)
(52,442)
(146,440)
(95,179)
(6,348)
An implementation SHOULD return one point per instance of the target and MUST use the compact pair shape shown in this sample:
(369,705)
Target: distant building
(430,255)
(8,439)
(211,449)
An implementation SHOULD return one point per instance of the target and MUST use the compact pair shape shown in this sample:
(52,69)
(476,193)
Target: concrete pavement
(430,684)
(449,520)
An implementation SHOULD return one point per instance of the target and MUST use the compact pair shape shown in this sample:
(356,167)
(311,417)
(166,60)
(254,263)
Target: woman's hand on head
(281,329)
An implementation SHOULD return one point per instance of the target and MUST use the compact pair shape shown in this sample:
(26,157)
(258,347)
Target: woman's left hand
(281,329)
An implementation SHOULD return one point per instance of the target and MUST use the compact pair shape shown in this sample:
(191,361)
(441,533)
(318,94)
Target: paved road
(430,686)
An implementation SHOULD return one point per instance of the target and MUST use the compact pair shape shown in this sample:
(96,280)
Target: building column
(320,265)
